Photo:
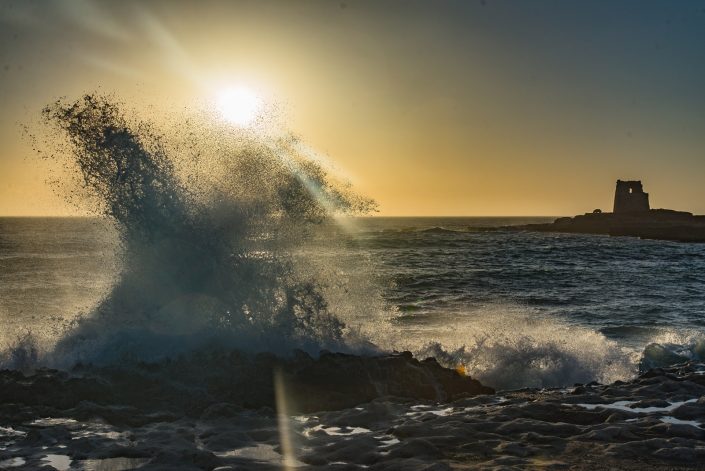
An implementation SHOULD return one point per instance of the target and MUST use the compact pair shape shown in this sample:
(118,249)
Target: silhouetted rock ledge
(632,216)
(658,224)
(338,380)
(191,384)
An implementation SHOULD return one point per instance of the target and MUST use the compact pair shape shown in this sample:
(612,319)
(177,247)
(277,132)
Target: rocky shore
(191,383)
(92,421)
(658,224)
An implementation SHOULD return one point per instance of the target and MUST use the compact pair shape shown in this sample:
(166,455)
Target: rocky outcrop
(191,384)
(651,422)
(632,216)
(341,380)
(660,224)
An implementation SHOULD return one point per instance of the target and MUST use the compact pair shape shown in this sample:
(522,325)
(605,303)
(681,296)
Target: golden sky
(431,108)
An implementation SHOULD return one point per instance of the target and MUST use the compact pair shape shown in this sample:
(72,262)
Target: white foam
(11,432)
(303,418)
(624,406)
(58,462)
(388,443)
(507,348)
(52,421)
(442,412)
(261,452)
(113,464)
(422,409)
(338,431)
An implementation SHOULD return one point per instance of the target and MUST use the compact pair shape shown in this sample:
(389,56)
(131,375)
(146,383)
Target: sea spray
(510,349)
(206,247)
(22,354)
(226,244)
(672,348)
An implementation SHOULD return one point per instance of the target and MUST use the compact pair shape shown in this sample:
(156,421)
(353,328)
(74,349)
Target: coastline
(655,224)
(653,422)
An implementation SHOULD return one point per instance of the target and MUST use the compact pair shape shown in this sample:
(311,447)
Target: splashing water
(511,349)
(218,248)
(23,355)
(207,221)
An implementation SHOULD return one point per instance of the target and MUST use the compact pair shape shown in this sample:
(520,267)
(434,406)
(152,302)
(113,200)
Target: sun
(239,105)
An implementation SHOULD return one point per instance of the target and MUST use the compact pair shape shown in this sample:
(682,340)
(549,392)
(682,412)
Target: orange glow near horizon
(474,114)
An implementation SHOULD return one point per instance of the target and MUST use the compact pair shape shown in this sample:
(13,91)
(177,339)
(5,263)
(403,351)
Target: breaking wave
(672,349)
(514,350)
(218,231)
(510,349)
(208,219)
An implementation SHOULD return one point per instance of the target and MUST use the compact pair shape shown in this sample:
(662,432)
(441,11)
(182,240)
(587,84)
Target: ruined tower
(629,197)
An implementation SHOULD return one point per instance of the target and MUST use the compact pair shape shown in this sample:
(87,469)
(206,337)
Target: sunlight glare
(238,106)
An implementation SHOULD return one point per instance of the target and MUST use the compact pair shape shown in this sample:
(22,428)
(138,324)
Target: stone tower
(629,197)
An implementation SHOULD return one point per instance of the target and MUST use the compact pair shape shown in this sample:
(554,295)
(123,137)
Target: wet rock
(617,417)
(378,411)
(48,436)
(676,453)
(679,430)
(515,449)
(331,382)
(650,403)
(610,434)
(199,459)
(690,411)
(416,448)
(339,380)
(221,410)
(528,429)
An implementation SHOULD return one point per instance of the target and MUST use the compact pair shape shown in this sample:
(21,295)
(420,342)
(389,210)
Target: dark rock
(339,380)
(221,410)
(416,448)
(650,403)
(631,217)
(48,436)
(515,449)
(200,459)
(676,453)
(611,433)
(182,385)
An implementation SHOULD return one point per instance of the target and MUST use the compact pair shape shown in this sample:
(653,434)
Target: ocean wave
(670,348)
(507,347)
(516,350)
(208,220)
(214,228)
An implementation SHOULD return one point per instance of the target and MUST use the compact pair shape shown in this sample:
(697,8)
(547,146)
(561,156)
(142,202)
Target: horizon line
(75,216)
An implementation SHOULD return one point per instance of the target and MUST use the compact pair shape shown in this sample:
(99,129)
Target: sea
(517,309)
(138,337)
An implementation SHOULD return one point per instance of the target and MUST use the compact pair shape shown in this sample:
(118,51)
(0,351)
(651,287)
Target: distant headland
(631,216)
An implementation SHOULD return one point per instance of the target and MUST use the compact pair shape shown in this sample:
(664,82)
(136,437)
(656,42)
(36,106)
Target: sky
(453,108)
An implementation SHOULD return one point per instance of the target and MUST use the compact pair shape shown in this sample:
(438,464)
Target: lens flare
(238,106)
